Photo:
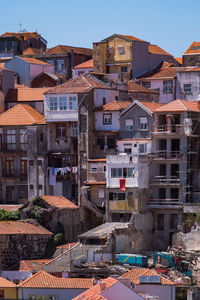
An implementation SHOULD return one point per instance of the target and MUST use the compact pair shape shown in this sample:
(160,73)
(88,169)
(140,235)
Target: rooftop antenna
(20,26)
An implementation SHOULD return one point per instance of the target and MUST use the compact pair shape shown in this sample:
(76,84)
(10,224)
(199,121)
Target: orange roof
(5,283)
(23,93)
(80,84)
(31,51)
(152,106)
(114,106)
(154,49)
(34,61)
(88,182)
(134,274)
(194,48)
(94,292)
(179,106)
(62,49)
(179,60)
(29,265)
(21,227)
(137,88)
(21,114)
(164,70)
(87,64)
(97,160)
(10,207)
(59,201)
(43,279)
(26,35)
(130,37)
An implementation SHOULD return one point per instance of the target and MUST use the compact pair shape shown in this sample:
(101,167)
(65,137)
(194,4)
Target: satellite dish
(187,126)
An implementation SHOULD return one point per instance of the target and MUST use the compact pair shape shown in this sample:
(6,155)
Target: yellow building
(8,290)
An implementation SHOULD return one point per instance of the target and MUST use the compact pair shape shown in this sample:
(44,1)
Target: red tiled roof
(97,160)
(31,51)
(179,106)
(152,106)
(22,93)
(88,182)
(137,88)
(164,70)
(29,265)
(194,48)
(10,207)
(21,114)
(5,283)
(87,64)
(80,84)
(179,60)
(62,49)
(154,49)
(134,274)
(114,106)
(59,202)
(34,61)
(21,227)
(130,37)
(44,280)
(26,35)
(94,292)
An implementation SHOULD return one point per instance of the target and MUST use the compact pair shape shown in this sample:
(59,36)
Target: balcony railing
(168,129)
(166,155)
(62,160)
(164,202)
(165,180)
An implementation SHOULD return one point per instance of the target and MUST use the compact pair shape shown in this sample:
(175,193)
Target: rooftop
(164,70)
(4,283)
(34,61)
(29,265)
(194,48)
(59,202)
(64,49)
(31,51)
(179,106)
(43,279)
(154,49)
(18,35)
(137,88)
(21,114)
(114,106)
(21,94)
(103,230)
(10,207)
(134,275)
(87,64)
(150,107)
(127,37)
(22,227)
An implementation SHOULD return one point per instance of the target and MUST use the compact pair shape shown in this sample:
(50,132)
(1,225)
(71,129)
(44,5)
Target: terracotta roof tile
(21,227)
(29,265)
(34,61)
(22,93)
(10,207)
(5,283)
(179,106)
(194,48)
(164,70)
(26,35)
(59,202)
(114,106)
(62,49)
(89,182)
(154,49)
(179,60)
(87,64)
(130,37)
(21,114)
(137,88)
(80,84)
(31,51)
(152,106)
(43,279)
(134,274)
(94,292)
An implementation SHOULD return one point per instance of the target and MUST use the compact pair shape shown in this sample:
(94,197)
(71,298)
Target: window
(147,84)
(60,65)
(167,87)
(31,163)
(128,125)
(23,164)
(61,130)
(1,294)
(117,196)
(128,148)
(94,168)
(72,103)
(124,69)
(10,193)
(174,221)
(31,186)
(104,100)
(39,186)
(111,142)
(23,139)
(107,118)
(9,164)
(101,193)
(142,148)
(11,139)
(144,123)
(39,162)
(160,222)
(121,50)
(104,169)
(187,88)
(101,142)
(122,172)
(74,129)
(110,50)
(53,103)
(23,192)
(63,103)
(80,73)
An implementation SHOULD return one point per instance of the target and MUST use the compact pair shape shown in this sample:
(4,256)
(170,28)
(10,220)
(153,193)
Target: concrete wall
(16,275)
(37,69)
(7,81)
(115,124)
(192,78)
(22,68)
(81,71)
(164,292)
(109,96)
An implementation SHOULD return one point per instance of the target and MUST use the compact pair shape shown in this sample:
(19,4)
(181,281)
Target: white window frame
(128,124)
(74,129)
(107,118)
(72,103)
(63,100)
(143,123)
(144,150)
(53,104)
(101,193)
(185,88)
(93,168)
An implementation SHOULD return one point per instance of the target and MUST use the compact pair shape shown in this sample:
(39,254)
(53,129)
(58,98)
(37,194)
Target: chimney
(102,286)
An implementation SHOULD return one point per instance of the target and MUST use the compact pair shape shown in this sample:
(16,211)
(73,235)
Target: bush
(58,239)
(8,215)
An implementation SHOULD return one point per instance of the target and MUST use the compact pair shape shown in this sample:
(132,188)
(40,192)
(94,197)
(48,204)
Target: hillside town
(99,170)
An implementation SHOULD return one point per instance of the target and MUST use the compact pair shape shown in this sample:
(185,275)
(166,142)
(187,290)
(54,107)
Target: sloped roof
(64,49)
(26,35)
(29,265)
(130,37)
(34,61)
(21,227)
(80,84)
(179,60)
(164,70)
(193,48)
(31,51)
(43,279)
(137,88)
(21,114)
(150,107)
(21,94)
(10,207)
(179,106)
(134,274)
(87,64)
(113,106)
(59,202)
(154,49)
(5,283)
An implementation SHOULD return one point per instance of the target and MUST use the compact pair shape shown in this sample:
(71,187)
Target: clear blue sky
(172,25)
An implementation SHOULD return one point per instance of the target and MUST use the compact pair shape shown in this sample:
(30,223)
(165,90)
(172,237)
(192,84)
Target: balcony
(164,154)
(159,203)
(166,129)
(165,180)
(62,160)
